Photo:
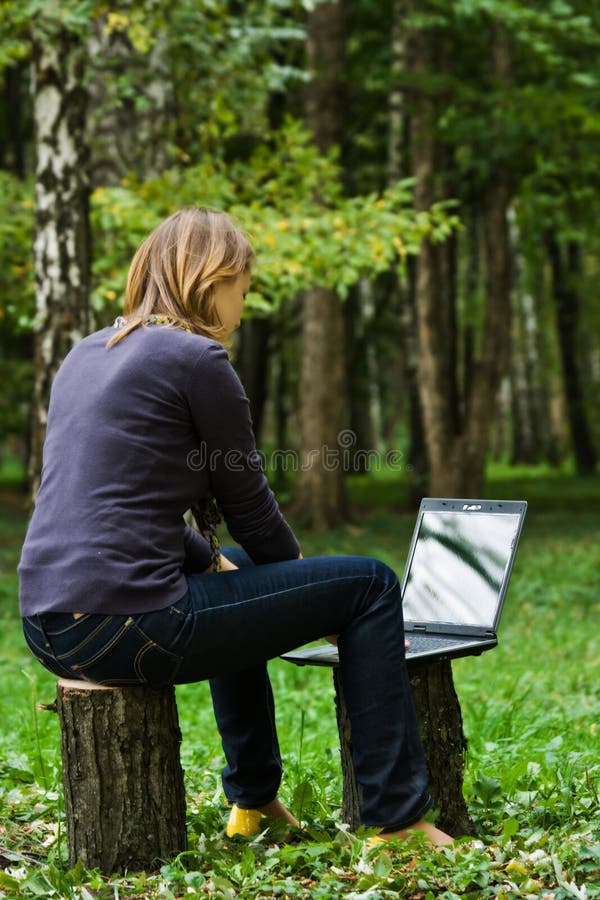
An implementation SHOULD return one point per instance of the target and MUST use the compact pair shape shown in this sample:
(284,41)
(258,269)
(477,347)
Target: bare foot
(276,809)
(432,834)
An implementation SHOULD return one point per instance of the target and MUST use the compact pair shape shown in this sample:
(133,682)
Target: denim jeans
(225,629)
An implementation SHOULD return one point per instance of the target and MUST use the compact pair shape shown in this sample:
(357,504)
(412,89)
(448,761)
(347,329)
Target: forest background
(344,138)
(420,182)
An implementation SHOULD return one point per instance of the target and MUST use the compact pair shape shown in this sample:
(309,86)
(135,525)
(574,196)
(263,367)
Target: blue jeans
(225,629)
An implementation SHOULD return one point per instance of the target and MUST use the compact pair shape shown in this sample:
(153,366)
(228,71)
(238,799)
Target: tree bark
(398,168)
(566,274)
(62,238)
(351,791)
(320,498)
(534,440)
(457,435)
(361,375)
(434,375)
(320,492)
(12,134)
(396,148)
(444,745)
(122,778)
(132,105)
(251,362)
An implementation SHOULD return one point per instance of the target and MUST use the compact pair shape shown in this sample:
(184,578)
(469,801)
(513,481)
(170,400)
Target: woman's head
(193,268)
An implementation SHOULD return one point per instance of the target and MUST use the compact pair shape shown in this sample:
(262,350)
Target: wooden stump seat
(123,781)
(440,723)
(122,776)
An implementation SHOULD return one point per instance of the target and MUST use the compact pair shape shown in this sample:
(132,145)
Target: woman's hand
(226,565)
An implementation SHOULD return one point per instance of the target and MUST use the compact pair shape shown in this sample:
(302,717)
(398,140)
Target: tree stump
(122,777)
(444,744)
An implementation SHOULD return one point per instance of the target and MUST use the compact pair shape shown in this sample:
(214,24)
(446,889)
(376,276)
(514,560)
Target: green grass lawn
(532,718)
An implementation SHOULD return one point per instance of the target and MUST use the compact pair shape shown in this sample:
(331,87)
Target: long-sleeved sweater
(136,434)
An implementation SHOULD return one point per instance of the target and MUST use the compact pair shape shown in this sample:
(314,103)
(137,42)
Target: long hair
(174,272)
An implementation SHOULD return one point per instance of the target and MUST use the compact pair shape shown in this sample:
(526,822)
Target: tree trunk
(351,791)
(566,275)
(441,726)
(251,362)
(12,134)
(62,239)
(457,449)
(397,168)
(360,375)
(492,362)
(122,778)
(444,745)
(533,438)
(320,491)
(281,428)
(132,105)
(397,165)
(320,494)
(435,377)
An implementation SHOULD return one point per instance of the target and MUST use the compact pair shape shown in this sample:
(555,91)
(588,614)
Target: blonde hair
(174,272)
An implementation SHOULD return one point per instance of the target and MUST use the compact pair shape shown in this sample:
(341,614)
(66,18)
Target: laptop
(455,580)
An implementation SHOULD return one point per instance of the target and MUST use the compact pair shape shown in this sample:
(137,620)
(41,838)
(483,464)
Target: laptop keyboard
(419,641)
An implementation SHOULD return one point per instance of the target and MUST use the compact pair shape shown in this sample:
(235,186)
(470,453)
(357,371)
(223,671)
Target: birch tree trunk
(132,106)
(320,494)
(62,236)
(566,265)
(534,440)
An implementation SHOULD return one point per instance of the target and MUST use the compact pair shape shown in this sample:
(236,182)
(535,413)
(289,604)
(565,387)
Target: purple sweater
(136,434)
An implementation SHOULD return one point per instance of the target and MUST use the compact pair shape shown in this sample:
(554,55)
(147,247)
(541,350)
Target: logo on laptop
(472,506)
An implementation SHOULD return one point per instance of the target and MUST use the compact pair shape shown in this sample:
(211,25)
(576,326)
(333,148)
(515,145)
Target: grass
(532,718)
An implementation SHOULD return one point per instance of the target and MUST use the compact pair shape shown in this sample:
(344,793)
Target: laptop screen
(458,567)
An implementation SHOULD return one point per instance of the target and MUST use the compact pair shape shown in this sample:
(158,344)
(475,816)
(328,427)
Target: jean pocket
(129,657)
(168,628)
(154,665)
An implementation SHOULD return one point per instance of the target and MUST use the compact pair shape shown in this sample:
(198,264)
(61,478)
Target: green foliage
(13,42)
(225,66)
(17,307)
(16,241)
(311,223)
(278,197)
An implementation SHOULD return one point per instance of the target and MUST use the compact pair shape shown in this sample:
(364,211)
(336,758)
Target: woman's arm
(221,416)
(228,566)
(197,549)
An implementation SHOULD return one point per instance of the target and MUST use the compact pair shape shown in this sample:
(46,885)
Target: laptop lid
(459,564)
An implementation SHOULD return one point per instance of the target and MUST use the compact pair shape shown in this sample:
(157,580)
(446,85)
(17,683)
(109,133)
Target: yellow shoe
(245,822)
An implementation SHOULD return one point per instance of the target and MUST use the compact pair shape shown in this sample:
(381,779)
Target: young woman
(147,420)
